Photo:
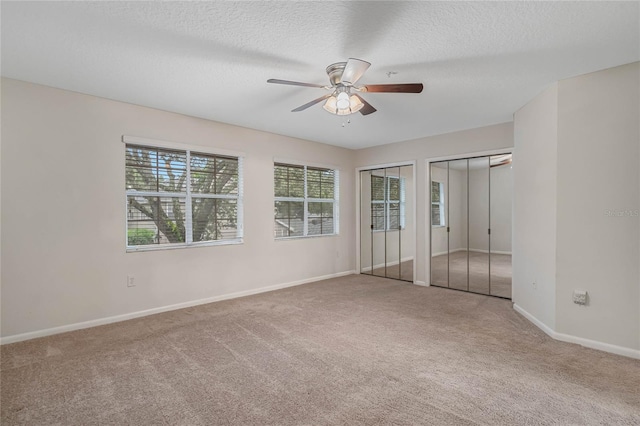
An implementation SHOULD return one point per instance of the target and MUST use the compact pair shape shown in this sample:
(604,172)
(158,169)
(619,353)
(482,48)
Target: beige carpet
(478,267)
(402,271)
(358,350)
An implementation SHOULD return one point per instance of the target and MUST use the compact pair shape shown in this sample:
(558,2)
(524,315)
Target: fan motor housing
(334,71)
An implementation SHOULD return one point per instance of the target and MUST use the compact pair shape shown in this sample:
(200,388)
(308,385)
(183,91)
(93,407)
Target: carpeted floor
(353,350)
(478,272)
(402,271)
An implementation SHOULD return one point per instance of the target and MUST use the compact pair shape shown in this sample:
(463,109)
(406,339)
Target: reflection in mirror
(365,223)
(387,233)
(458,225)
(393,186)
(501,189)
(407,224)
(479,225)
(378,222)
(439,222)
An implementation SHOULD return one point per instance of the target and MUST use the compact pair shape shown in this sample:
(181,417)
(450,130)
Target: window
(387,203)
(181,198)
(306,201)
(437,204)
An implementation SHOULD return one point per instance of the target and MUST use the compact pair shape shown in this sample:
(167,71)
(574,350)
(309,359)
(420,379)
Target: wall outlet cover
(580,297)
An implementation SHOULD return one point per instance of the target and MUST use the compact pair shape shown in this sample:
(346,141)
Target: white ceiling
(479,61)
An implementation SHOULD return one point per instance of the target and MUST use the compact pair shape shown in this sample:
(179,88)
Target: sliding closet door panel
(501,203)
(458,225)
(365,223)
(392,222)
(407,224)
(439,222)
(378,221)
(479,225)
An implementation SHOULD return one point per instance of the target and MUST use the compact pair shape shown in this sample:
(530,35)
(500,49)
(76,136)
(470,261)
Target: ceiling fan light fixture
(330,105)
(355,104)
(342,101)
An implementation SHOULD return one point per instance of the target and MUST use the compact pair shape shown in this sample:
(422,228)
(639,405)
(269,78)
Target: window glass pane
(327,178)
(155,220)
(227,219)
(314,184)
(320,217)
(214,219)
(288,181)
(320,183)
(157,170)
(214,175)
(296,188)
(280,175)
(289,218)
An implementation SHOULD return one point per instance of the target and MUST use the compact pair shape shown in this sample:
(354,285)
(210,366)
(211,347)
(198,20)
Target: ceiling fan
(344,99)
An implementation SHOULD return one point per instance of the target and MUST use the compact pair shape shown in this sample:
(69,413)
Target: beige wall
(577,197)
(534,206)
(599,171)
(63,229)
(483,139)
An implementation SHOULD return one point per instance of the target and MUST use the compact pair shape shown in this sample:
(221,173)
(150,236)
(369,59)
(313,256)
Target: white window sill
(438,226)
(134,249)
(303,237)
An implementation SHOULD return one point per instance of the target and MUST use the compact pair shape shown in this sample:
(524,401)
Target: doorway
(387,224)
(471,224)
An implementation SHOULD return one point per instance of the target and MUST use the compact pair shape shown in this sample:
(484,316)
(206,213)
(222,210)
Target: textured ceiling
(479,61)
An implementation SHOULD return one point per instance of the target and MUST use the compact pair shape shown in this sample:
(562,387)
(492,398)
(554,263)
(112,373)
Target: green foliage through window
(305,200)
(170,192)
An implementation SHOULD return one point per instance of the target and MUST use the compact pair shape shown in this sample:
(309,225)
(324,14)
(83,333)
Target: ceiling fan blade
(354,69)
(293,83)
(313,102)
(367,108)
(393,88)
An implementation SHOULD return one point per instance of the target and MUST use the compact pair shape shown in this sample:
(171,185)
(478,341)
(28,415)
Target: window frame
(306,199)
(440,205)
(387,203)
(187,195)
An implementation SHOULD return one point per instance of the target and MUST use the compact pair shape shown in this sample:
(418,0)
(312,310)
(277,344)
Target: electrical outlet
(131,282)
(580,297)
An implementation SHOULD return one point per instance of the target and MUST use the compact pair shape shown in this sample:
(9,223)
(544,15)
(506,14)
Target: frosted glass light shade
(342,101)
(330,105)
(354,104)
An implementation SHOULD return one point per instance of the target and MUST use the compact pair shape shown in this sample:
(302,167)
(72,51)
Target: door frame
(414,210)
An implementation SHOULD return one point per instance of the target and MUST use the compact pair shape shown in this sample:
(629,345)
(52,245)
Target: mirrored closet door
(387,226)
(471,224)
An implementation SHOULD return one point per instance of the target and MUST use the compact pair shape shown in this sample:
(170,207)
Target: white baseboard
(473,250)
(381,265)
(492,251)
(422,283)
(593,344)
(124,317)
(440,253)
